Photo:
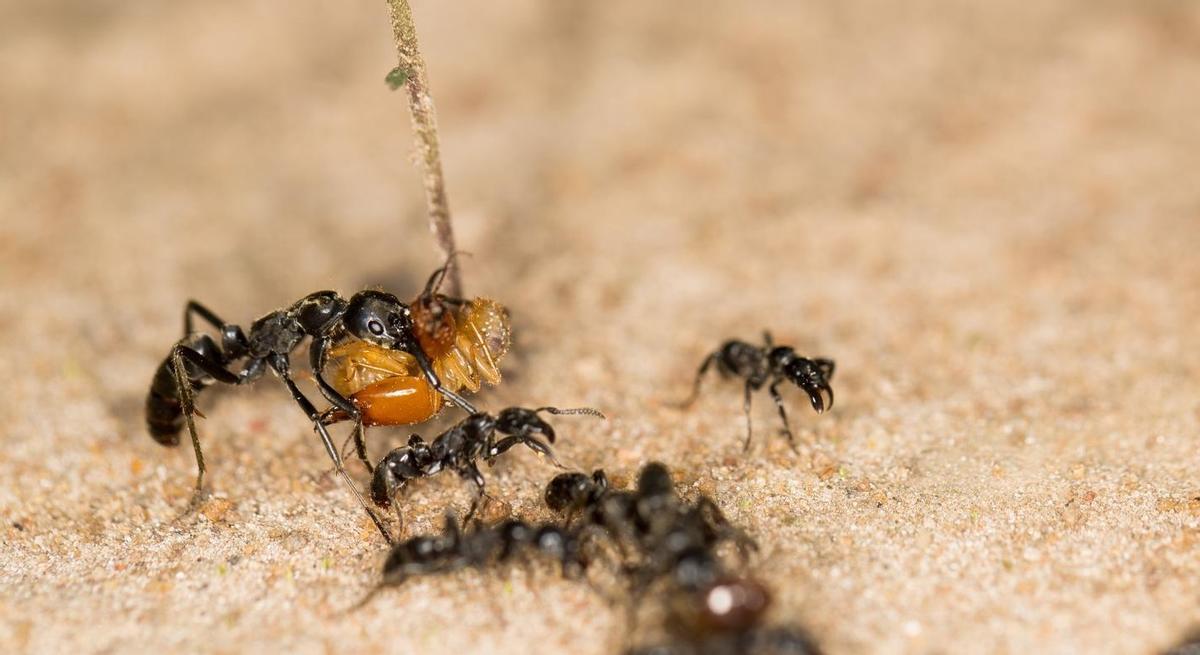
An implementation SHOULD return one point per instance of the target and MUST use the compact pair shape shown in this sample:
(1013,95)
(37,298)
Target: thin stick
(411,73)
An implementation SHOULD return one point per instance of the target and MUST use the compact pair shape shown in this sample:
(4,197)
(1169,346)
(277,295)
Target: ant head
(394,470)
(731,604)
(811,377)
(519,420)
(655,480)
(379,318)
(568,490)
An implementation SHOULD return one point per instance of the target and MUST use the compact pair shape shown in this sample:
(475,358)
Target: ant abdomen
(164,407)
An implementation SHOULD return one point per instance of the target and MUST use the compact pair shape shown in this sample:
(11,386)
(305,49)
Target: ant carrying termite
(463,340)
(196,361)
(760,365)
(460,447)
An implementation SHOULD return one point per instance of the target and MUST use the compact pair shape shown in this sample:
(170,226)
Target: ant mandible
(197,361)
(759,365)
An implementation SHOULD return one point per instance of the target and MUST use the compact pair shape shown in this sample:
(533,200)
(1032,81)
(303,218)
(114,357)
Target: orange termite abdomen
(399,400)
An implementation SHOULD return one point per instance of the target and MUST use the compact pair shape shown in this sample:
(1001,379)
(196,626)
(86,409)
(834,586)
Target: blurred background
(987,213)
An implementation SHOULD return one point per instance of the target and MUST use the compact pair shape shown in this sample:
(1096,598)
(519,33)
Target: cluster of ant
(661,539)
(381,362)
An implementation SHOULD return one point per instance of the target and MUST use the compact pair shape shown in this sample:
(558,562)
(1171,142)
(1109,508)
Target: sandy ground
(988,213)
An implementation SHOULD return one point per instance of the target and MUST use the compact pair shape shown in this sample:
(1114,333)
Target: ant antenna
(590,411)
(370,595)
(439,275)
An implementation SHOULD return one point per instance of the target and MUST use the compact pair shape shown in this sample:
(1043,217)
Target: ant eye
(375,327)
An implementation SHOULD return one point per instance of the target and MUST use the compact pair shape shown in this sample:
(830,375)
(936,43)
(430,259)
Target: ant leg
(317,358)
(194,307)
(317,355)
(482,497)
(639,585)
(436,383)
(360,446)
(233,340)
(708,362)
(770,343)
(746,409)
(715,519)
(280,366)
(472,472)
(356,435)
(370,595)
(183,386)
(787,429)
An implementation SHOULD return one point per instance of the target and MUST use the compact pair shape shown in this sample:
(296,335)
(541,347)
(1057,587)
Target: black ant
(769,364)
(197,361)
(460,447)
(672,538)
(709,610)
(454,549)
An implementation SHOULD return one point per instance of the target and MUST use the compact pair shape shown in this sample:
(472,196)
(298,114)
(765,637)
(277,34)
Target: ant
(463,340)
(197,360)
(773,364)
(673,538)
(464,443)
(454,549)
(709,609)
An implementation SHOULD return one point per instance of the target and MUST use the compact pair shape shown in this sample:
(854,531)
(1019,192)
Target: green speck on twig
(397,77)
